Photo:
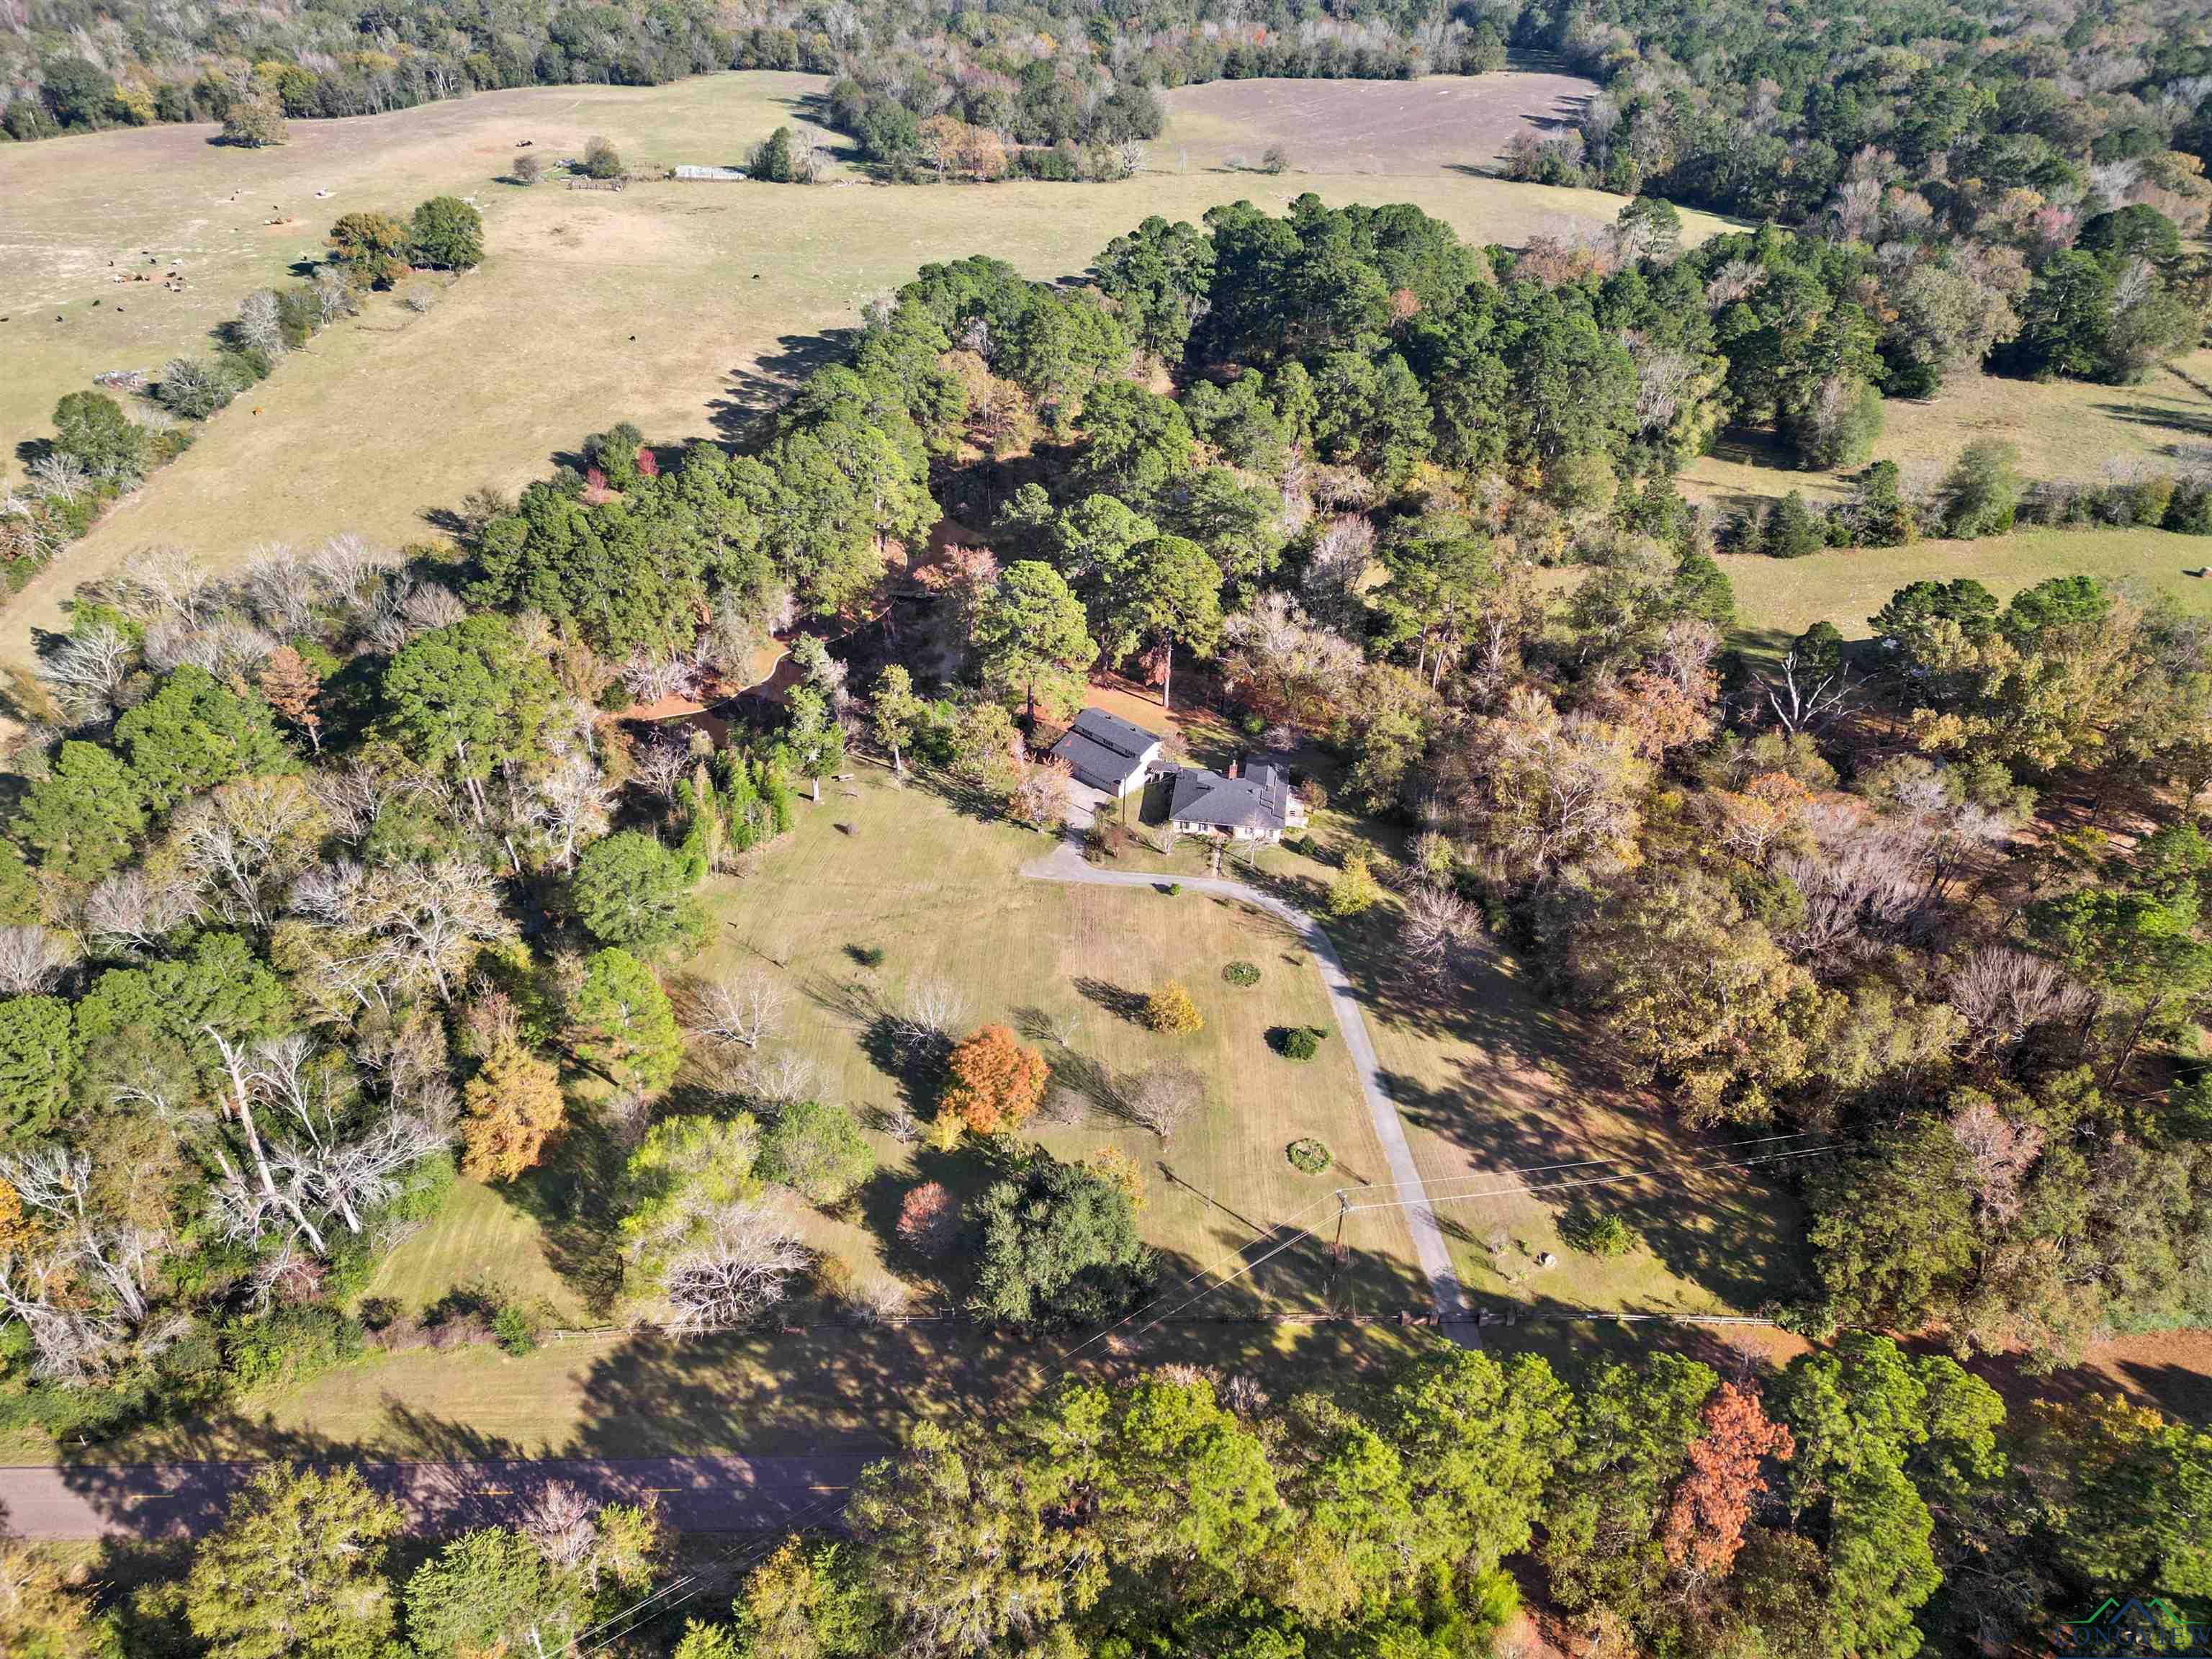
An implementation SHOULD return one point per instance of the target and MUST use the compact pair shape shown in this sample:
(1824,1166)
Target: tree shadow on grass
(1121,1003)
(1091,1081)
(846,1388)
(2189,422)
(576,1198)
(767,384)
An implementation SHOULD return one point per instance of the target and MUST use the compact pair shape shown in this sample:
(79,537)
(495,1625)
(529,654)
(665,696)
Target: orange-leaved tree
(1703,1529)
(996,1082)
(514,1109)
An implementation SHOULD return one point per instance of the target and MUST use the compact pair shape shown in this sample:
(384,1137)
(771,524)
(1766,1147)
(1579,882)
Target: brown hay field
(1394,128)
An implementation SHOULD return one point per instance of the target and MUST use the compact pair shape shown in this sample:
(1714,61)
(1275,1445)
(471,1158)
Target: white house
(1108,752)
(1254,802)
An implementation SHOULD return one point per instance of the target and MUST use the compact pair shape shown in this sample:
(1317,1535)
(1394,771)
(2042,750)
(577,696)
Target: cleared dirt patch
(1385,127)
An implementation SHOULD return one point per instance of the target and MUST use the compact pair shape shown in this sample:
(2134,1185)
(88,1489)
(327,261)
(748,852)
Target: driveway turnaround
(698,1494)
(1066,863)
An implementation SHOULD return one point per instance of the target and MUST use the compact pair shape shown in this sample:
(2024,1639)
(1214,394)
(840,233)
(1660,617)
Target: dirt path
(1065,863)
(698,1494)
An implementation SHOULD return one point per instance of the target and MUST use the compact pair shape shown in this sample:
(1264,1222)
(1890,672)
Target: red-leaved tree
(1703,1529)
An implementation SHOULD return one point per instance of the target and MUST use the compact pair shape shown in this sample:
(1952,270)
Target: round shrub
(1298,1043)
(1307,1156)
(1242,973)
(1601,1235)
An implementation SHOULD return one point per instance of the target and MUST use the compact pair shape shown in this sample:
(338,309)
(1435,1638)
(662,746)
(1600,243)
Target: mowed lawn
(877,867)
(479,1237)
(1521,1120)
(623,1394)
(1499,1087)
(684,308)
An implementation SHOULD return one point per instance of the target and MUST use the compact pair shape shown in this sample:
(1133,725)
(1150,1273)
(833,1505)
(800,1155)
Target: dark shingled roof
(1126,736)
(1103,750)
(1261,799)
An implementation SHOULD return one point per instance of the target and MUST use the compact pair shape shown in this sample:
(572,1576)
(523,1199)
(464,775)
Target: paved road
(1066,863)
(698,1494)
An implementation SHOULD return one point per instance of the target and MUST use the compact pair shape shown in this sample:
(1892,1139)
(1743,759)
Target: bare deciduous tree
(132,912)
(1437,924)
(260,325)
(2000,1152)
(1804,700)
(159,584)
(333,294)
(1045,793)
(86,670)
(1164,1097)
(61,477)
(1859,879)
(119,1256)
(661,763)
(247,842)
(744,1008)
(570,804)
(736,1274)
(351,795)
(31,960)
(279,586)
(777,1079)
(883,1302)
(650,679)
(227,646)
(322,1156)
(560,1524)
(933,1014)
(2003,993)
(403,928)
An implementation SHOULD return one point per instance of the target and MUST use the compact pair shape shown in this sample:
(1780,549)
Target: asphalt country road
(698,1494)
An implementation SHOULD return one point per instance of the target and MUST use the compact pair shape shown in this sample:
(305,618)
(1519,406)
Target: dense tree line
(1992,182)
(1864,1501)
(1037,74)
(325,873)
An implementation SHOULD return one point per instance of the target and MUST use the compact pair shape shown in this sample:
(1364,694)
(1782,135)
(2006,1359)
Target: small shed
(694,175)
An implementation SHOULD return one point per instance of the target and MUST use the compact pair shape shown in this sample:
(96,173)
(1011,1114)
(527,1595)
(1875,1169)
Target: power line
(633,1616)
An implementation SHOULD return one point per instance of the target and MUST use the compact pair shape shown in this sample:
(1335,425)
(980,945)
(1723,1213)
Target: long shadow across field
(842,1387)
(1525,1099)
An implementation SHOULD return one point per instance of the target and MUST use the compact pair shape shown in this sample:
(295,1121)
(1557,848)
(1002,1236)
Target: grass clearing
(479,1236)
(1777,599)
(684,308)
(1496,1078)
(2062,429)
(624,1395)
